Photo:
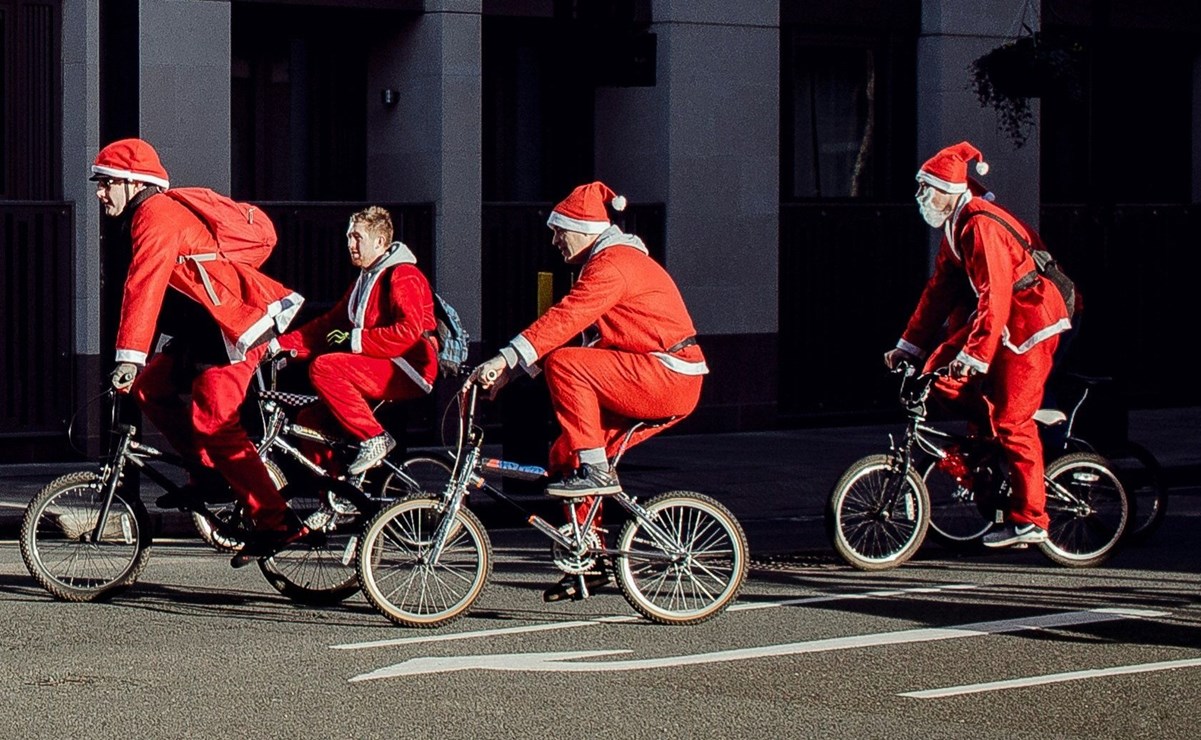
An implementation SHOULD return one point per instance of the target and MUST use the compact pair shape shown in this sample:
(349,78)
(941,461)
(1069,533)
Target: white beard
(930,214)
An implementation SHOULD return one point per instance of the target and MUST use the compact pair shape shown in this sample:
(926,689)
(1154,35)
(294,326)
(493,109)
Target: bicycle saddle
(295,400)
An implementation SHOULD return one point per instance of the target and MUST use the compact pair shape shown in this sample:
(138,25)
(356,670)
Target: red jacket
(973,285)
(167,239)
(389,312)
(632,301)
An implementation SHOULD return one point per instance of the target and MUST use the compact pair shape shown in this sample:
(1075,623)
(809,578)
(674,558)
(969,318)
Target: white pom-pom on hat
(619,202)
(981,167)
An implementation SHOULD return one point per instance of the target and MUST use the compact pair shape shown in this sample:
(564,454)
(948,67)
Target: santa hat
(584,210)
(947,170)
(130,159)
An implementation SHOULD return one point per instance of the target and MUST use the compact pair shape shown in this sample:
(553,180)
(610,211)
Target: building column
(705,141)
(184,88)
(954,33)
(427,147)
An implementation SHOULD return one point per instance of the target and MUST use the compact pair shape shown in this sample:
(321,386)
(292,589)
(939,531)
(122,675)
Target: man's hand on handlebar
(961,370)
(896,357)
(492,374)
(122,376)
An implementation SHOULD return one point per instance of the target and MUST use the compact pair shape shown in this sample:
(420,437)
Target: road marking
(557,662)
(1051,678)
(550,626)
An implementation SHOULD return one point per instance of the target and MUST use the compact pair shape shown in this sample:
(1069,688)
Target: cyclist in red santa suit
(644,364)
(220,315)
(1002,320)
(377,343)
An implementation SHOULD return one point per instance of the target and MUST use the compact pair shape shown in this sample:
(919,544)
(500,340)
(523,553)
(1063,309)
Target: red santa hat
(947,170)
(584,210)
(130,159)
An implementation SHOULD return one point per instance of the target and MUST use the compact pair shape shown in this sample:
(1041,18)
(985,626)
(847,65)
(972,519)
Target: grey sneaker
(1015,534)
(371,451)
(586,481)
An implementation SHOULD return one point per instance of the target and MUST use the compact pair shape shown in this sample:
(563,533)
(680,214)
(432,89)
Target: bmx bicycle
(87,536)
(881,508)
(681,557)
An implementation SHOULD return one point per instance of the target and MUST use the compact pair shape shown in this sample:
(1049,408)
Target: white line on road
(549,626)
(556,662)
(1016,683)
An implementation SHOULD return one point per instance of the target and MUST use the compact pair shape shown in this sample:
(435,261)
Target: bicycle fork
(112,480)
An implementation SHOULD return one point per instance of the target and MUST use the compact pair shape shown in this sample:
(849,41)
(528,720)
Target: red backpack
(243,232)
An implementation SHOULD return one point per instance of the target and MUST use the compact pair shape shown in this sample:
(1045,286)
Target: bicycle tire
(957,519)
(1142,476)
(1086,529)
(318,569)
(707,563)
(396,577)
(862,533)
(424,475)
(55,549)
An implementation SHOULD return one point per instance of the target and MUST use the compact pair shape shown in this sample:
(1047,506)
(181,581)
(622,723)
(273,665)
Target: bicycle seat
(294,400)
(1050,417)
(652,423)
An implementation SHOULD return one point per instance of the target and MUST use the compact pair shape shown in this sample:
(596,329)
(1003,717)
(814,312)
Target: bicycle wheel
(58,547)
(869,531)
(1088,508)
(318,569)
(687,564)
(420,475)
(397,576)
(958,520)
(1142,477)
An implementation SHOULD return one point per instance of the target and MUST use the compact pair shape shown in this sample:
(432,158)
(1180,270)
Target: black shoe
(261,545)
(587,480)
(568,587)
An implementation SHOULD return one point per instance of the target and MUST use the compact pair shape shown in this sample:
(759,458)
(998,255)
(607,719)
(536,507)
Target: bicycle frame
(471,465)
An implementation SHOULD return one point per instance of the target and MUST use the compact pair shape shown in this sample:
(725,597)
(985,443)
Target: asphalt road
(811,649)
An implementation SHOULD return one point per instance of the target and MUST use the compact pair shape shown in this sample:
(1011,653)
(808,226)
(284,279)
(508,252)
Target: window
(846,100)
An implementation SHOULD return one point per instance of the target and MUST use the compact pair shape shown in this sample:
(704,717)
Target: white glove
(493,374)
(122,376)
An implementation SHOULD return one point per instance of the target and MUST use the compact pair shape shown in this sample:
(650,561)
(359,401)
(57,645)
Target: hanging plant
(1031,66)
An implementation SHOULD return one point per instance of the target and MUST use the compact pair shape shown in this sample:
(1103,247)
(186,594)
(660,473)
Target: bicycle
(1138,468)
(681,557)
(881,508)
(85,536)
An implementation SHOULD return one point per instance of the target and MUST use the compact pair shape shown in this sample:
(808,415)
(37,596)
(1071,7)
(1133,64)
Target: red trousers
(349,385)
(209,430)
(1005,400)
(596,395)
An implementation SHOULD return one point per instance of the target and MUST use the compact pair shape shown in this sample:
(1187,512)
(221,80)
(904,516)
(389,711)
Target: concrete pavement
(776,482)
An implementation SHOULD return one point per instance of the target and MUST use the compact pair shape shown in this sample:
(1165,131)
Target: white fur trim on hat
(575,224)
(118,174)
(941,184)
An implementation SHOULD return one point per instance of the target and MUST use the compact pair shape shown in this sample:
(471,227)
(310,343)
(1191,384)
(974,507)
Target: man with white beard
(1002,322)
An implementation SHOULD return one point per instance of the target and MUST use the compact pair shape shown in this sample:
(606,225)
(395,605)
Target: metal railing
(37,307)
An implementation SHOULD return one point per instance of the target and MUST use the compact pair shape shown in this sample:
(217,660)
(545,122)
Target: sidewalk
(776,482)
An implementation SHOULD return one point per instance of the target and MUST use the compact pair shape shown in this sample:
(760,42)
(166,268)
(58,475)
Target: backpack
(1044,263)
(243,232)
(453,339)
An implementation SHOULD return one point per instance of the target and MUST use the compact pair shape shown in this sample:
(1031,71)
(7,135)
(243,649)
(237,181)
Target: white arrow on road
(561,662)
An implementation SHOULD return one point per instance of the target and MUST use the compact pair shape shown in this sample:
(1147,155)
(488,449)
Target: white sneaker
(1015,534)
(371,452)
